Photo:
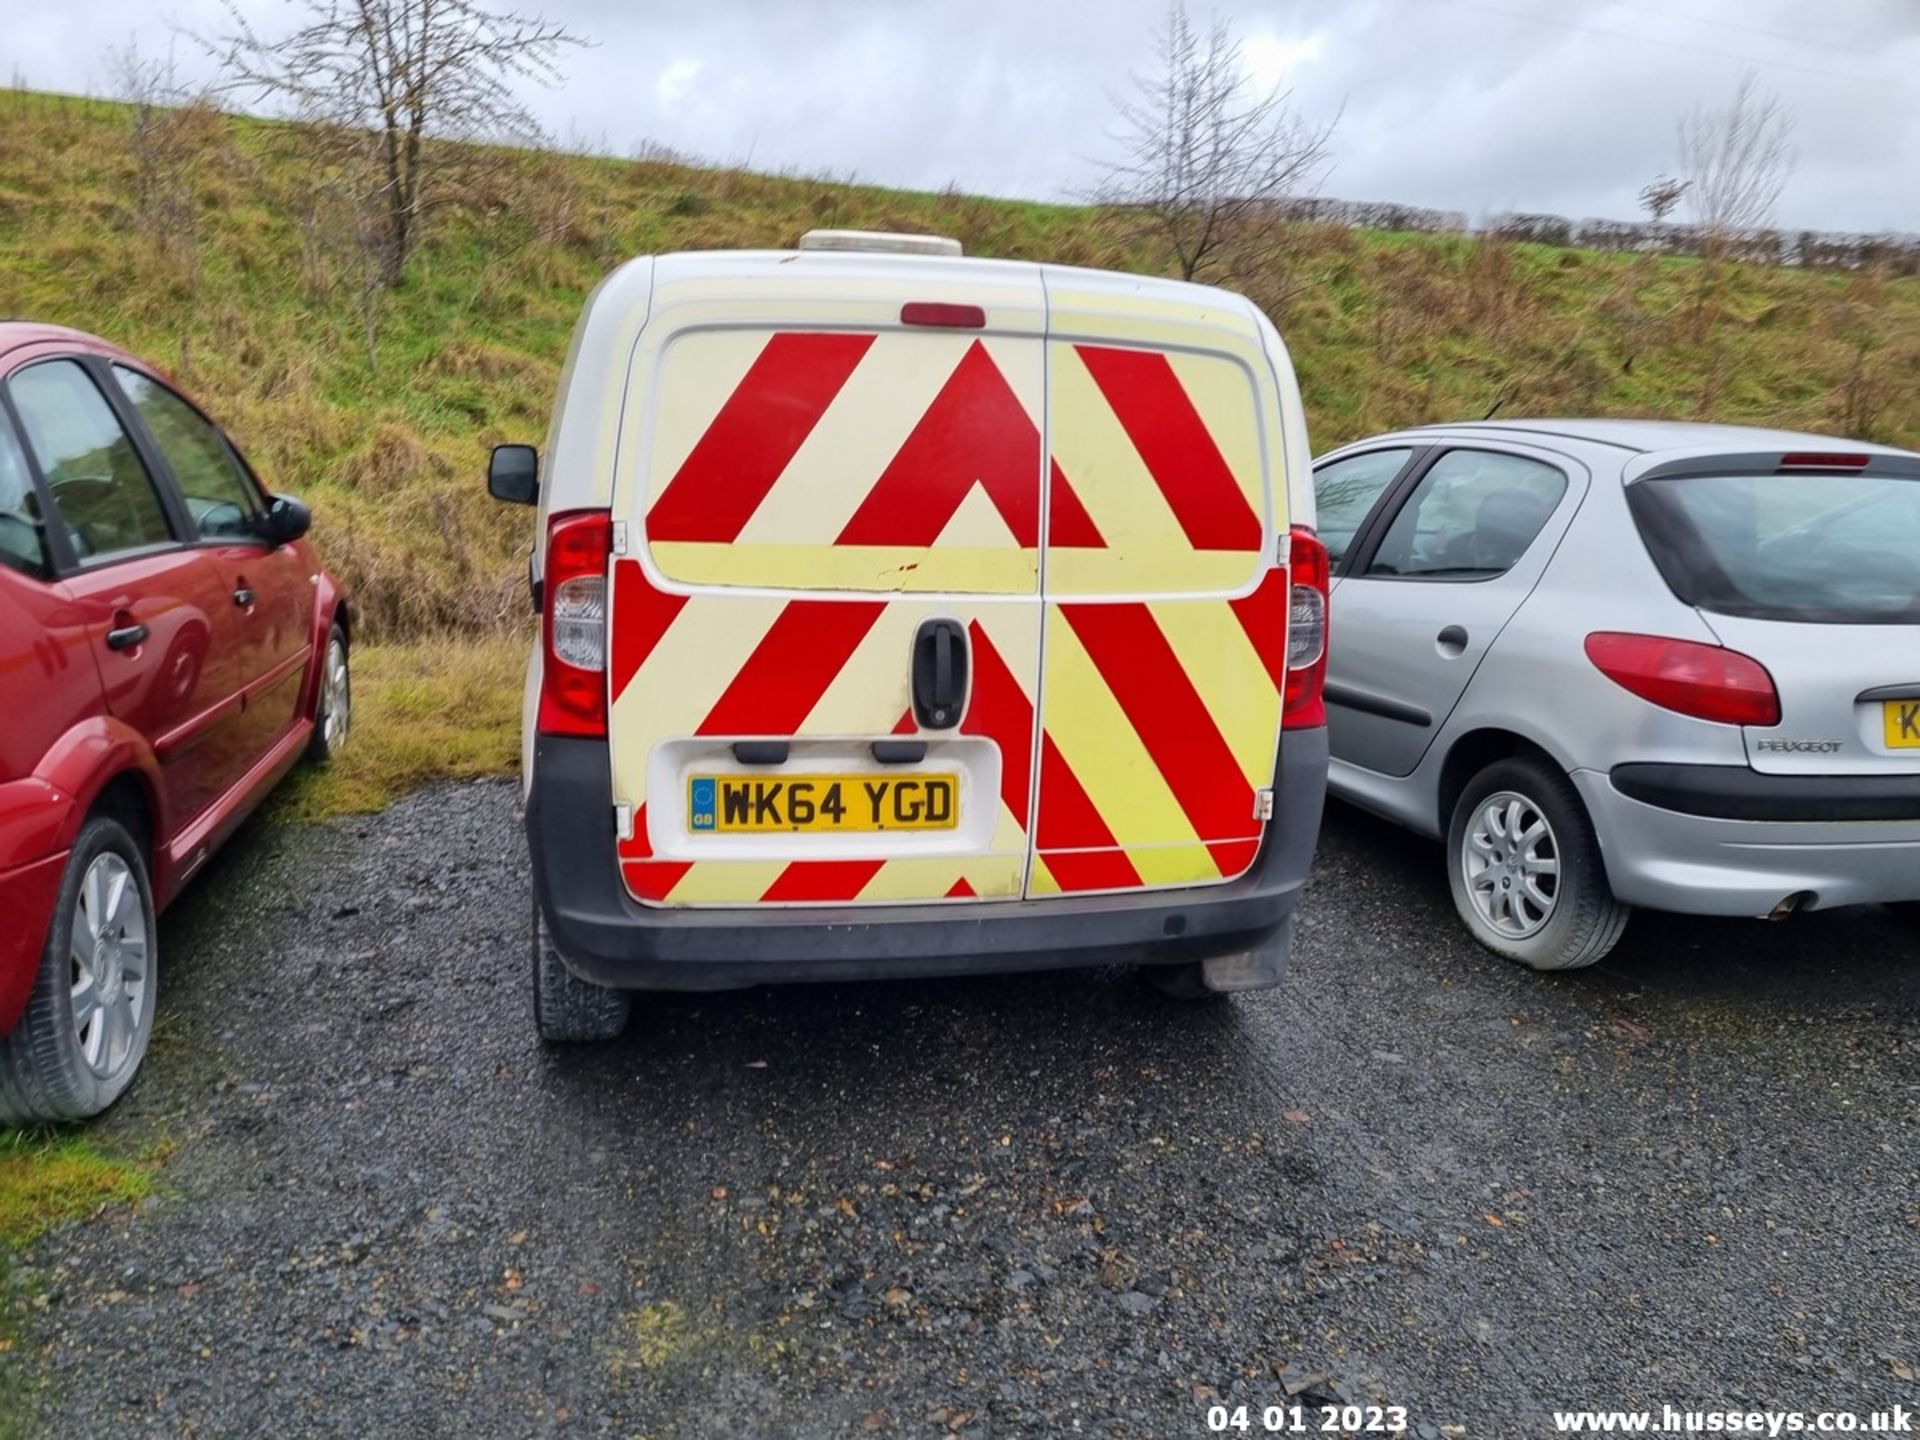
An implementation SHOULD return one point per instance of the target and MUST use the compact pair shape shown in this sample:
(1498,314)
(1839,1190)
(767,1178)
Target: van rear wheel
(566,1009)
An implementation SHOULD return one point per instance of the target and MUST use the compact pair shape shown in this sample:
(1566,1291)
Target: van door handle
(125,637)
(939,673)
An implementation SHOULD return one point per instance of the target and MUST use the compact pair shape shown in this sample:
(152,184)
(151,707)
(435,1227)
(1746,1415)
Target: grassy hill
(221,255)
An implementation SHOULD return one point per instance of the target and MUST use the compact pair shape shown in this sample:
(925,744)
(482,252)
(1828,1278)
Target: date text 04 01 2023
(746,803)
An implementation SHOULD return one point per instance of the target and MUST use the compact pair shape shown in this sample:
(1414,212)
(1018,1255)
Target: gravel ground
(1041,1205)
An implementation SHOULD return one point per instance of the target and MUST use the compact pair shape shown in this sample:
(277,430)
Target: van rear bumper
(608,938)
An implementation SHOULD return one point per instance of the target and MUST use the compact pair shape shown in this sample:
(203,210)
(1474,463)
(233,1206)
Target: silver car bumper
(1706,865)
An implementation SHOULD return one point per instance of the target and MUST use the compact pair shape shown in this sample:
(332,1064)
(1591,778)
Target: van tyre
(333,706)
(1525,869)
(566,1009)
(90,1014)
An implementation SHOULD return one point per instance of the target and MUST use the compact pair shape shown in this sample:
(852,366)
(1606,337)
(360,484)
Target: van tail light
(1708,682)
(573,631)
(1305,705)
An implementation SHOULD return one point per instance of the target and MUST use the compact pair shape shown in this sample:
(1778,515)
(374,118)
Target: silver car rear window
(1823,549)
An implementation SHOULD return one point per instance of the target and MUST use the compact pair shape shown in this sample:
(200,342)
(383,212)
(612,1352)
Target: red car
(169,648)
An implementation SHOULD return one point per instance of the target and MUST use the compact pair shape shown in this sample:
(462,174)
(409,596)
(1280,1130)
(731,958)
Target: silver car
(1618,663)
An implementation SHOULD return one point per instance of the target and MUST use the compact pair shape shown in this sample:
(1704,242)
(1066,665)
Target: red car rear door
(156,610)
(269,588)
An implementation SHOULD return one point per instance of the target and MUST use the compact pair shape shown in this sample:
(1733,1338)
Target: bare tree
(385,77)
(1736,159)
(161,149)
(1661,197)
(1204,158)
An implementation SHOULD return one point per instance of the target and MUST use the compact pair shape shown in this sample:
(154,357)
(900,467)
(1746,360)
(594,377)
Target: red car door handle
(243,597)
(126,637)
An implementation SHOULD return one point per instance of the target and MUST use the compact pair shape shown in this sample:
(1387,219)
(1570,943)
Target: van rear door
(829,471)
(1165,624)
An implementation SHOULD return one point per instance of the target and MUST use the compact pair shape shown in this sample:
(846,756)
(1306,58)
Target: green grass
(445,709)
(48,1179)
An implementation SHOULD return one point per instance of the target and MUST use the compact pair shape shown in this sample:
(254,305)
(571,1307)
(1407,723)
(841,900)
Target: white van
(906,614)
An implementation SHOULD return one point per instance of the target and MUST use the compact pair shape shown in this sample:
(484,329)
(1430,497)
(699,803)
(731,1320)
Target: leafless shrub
(1204,161)
(166,143)
(648,151)
(1736,159)
(1660,197)
(379,81)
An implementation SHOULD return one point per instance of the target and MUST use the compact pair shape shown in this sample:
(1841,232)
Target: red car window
(23,529)
(100,488)
(221,500)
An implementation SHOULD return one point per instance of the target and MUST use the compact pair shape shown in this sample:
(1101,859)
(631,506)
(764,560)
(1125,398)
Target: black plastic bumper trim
(1735,792)
(608,937)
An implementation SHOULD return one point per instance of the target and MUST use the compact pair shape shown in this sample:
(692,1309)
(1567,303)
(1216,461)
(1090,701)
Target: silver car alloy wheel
(110,955)
(1511,863)
(336,699)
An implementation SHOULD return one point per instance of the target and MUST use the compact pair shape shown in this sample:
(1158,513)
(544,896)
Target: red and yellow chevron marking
(734,666)
(911,462)
(1162,719)
(897,462)
(892,464)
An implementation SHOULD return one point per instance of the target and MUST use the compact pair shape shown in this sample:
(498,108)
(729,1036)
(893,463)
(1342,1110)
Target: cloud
(676,80)
(1270,60)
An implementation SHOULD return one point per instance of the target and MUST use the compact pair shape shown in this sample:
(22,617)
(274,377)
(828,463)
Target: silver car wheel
(336,700)
(110,953)
(1511,863)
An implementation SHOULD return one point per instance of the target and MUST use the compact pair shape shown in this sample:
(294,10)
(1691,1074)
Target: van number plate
(1902,719)
(759,804)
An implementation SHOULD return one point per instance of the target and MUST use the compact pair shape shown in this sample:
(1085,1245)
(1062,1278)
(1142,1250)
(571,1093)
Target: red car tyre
(90,1015)
(333,716)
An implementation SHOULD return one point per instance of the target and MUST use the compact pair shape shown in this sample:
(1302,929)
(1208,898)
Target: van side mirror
(287,520)
(513,474)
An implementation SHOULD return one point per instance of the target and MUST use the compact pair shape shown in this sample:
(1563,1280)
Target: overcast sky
(1565,106)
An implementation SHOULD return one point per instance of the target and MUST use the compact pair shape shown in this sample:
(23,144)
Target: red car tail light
(1708,682)
(1305,704)
(573,629)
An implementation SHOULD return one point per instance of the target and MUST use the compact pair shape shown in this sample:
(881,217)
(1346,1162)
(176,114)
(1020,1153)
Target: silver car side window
(1344,494)
(1473,514)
